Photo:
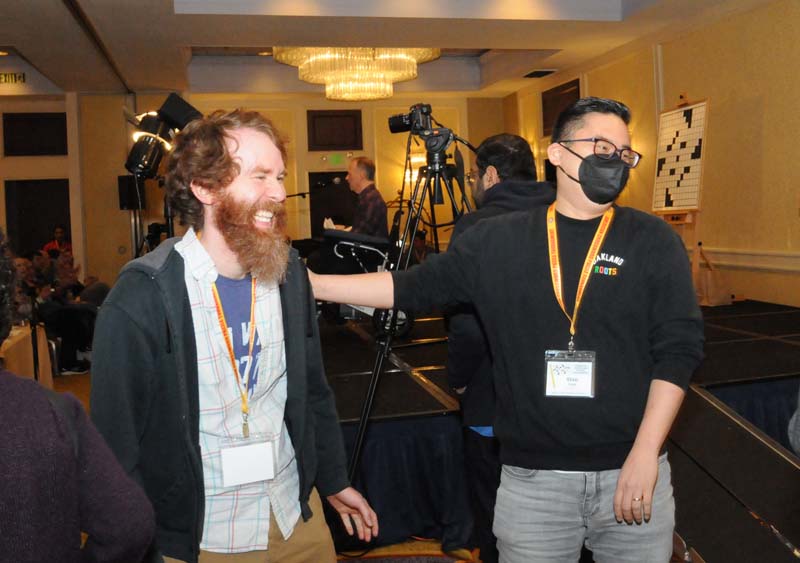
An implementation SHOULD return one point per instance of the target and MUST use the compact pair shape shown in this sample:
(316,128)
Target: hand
(328,223)
(352,507)
(633,500)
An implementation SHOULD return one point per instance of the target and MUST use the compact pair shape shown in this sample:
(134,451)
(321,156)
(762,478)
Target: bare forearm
(633,499)
(663,402)
(371,290)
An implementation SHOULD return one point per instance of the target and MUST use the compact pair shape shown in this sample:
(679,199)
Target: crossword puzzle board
(679,163)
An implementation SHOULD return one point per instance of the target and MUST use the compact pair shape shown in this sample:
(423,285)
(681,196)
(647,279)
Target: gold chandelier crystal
(355,73)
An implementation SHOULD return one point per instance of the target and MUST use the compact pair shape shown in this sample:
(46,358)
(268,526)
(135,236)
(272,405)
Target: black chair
(355,253)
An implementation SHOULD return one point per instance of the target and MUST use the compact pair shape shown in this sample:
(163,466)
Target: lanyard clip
(571,345)
(245,425)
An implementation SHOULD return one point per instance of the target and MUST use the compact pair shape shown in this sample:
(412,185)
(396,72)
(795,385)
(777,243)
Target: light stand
(152,140)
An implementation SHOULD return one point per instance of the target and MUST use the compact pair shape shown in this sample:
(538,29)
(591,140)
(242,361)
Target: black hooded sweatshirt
(469,363)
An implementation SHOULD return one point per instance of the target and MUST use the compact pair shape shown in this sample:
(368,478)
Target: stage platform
(737,486)
(412,467)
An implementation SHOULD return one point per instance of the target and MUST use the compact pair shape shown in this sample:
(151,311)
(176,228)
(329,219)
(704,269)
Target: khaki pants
(310,542)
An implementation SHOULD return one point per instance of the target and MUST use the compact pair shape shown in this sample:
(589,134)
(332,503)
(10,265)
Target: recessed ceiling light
(3,53)
(264,53)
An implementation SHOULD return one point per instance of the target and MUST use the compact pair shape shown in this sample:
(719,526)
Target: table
(17,354)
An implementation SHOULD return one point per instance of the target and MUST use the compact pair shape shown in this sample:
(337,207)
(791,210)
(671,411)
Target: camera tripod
(431,180)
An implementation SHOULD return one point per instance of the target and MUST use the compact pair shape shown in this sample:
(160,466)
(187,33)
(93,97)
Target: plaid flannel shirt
(370,215)
(237,518)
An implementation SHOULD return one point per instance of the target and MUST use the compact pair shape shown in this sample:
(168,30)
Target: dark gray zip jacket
(145,396)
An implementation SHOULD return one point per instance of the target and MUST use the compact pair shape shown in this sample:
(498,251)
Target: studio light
(148,149)
(156,130)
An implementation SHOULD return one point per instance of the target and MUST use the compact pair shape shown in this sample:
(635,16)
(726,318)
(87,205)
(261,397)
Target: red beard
(263,253)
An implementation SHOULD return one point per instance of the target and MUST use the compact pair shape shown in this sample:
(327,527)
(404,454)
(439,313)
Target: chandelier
(355,73)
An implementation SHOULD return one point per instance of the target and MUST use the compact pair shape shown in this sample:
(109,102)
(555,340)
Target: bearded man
(208,381)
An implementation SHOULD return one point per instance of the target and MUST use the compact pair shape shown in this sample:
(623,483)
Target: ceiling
(119,46)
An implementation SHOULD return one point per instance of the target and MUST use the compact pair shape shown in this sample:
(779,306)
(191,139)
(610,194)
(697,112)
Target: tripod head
(437,141)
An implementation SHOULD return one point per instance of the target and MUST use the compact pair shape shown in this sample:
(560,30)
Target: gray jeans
(545,516)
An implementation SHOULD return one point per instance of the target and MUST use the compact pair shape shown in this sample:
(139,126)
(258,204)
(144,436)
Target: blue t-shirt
(236,299)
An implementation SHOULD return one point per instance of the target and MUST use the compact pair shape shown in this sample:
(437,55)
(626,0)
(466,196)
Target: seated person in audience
(43,267)
(59,242)
(67,321)
(67,287)
(94,293)
(58,477)
(26,290)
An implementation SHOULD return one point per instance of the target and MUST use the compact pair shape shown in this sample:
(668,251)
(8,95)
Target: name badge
(248,460)
(569,374)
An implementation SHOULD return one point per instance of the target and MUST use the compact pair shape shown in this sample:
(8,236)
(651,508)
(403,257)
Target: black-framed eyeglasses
(608,150)
(472,177)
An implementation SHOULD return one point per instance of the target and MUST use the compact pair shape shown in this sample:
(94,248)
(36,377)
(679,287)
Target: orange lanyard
(224,326)
(555,264)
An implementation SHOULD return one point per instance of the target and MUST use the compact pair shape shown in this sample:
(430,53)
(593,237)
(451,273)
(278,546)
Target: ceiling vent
(539,73)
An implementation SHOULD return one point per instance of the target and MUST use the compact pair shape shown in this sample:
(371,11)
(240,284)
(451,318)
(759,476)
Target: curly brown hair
(201,155)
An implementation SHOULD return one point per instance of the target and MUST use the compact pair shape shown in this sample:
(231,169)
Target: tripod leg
(436,181)
(412,224)
(415,205)
(449,174)
(366,409)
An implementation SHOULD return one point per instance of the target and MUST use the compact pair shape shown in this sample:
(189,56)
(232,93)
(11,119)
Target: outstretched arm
(371,290)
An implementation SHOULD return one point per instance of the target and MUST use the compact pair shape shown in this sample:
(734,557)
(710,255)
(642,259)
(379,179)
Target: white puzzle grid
(679,158)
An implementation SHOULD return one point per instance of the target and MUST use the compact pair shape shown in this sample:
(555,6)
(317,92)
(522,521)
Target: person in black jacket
(208,381)
(503,180)
(595,332)
(58,477)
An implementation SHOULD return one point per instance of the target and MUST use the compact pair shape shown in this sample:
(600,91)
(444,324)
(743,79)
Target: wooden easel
(685,221)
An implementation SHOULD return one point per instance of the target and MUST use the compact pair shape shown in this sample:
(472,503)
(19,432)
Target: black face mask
(601,179)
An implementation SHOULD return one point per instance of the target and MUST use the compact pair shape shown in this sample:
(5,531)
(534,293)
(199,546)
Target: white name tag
(247,461)
(569,374)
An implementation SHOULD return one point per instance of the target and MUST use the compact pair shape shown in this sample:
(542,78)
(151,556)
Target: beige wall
(29,167)
(744,66)
(511,114)
(486,117)
(622,80)
(104,148)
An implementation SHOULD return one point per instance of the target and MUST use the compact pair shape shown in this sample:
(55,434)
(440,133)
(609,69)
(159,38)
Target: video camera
(417,120)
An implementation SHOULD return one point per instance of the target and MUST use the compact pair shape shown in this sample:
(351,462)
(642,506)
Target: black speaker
(129,199)
(177,112)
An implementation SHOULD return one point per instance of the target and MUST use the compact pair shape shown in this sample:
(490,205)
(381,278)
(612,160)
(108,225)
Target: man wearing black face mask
(594,330)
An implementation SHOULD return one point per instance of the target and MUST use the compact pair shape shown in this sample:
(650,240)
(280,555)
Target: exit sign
(12,77)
